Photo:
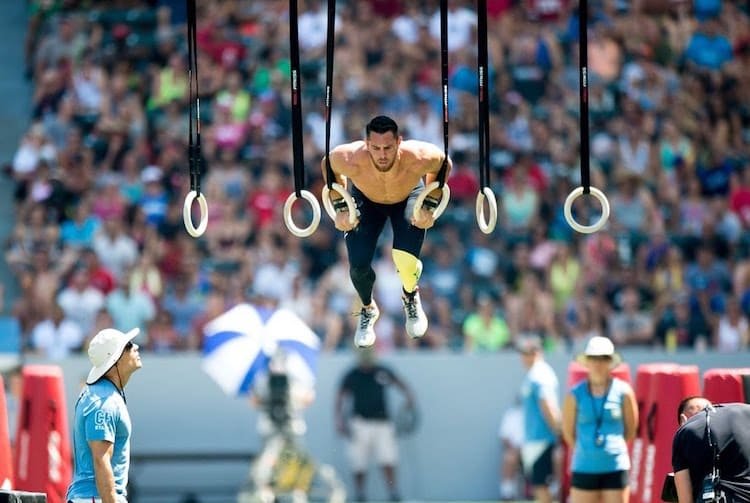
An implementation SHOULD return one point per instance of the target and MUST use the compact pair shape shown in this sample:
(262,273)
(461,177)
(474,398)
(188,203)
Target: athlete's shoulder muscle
(424,153)
(346,156)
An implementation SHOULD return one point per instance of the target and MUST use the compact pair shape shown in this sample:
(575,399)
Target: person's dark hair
(381,125)
(683,405)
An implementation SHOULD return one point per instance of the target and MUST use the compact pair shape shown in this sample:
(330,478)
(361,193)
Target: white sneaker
(416,320)
(365,335)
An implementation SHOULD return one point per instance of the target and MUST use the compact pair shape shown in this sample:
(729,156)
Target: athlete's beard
(380,168)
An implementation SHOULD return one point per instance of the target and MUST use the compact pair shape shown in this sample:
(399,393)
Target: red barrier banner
(43,453)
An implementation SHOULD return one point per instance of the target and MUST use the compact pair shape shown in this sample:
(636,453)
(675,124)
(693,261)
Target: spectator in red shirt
(739,196)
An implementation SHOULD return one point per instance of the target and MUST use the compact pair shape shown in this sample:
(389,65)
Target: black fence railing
(139,492)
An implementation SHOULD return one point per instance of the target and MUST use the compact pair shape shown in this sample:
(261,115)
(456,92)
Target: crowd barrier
(663,387)
(6,460)
(725,385)
(43,454)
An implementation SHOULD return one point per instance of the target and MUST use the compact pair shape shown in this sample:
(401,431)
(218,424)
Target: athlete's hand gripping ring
(187,211)
(440,208)
(289,221)
(586,229)
(351,206)
(486,225)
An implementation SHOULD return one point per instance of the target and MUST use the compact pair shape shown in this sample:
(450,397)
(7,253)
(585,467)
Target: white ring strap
(423,195)
(486,225)
(586,229)
(348,199)
(187,211)
(289,221)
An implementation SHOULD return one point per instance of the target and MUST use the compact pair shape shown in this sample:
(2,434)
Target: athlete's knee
(362,274)
(409,268)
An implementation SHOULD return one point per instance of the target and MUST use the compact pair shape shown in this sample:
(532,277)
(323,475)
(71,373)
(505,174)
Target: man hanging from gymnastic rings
(387,178)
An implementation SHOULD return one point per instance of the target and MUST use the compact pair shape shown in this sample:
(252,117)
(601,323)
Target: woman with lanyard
(599,417)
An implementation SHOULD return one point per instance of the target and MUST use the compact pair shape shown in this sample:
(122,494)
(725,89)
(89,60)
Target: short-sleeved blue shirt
(540,383)
(100,414)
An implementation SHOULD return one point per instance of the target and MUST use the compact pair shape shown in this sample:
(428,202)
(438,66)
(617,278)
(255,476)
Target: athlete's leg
(407,243)
(361,243)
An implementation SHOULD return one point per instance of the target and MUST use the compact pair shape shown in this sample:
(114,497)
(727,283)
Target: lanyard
(599,415)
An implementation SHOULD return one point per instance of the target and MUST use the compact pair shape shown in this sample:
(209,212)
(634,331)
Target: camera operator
(281,399)
(711,452)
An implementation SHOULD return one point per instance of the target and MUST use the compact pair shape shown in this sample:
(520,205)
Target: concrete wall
(454,455)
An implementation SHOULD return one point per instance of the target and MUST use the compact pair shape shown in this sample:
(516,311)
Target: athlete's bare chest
(389,186)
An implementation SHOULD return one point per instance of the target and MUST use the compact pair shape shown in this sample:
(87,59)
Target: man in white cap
(101,430)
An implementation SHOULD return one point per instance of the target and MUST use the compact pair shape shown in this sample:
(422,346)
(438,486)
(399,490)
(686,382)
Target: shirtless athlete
(386,175)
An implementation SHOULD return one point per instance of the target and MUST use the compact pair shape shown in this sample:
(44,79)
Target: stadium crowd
(102,171)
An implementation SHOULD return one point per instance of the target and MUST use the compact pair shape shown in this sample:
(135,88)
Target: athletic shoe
(416,320)
(365,334)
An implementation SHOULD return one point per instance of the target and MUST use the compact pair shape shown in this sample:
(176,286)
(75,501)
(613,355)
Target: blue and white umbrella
(239,344)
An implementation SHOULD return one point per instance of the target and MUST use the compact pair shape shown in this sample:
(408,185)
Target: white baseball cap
(105,349)
(600,346)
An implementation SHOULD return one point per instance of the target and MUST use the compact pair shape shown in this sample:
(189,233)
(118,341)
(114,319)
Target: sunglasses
(599,357)
(129,346)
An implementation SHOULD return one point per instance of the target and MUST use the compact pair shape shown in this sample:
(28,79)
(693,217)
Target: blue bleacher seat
(10,335)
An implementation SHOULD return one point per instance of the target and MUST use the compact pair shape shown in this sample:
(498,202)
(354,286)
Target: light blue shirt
(612,455)
(540,383)
(100,414)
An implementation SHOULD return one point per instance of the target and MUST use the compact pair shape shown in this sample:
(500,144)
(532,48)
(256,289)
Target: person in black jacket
(712,439)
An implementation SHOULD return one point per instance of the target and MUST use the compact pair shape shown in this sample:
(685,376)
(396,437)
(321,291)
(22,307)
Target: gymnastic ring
(423,195)
(289,221)
(486,226)
(187,211)
(348,199)
(586,229)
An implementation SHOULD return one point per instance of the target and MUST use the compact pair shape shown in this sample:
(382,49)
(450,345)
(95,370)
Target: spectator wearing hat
(541,412)
(101,431)
(599,417)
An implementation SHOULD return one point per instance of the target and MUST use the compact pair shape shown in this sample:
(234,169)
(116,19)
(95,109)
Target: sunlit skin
(692,407)
(599,373)
(399,166)
(383,149)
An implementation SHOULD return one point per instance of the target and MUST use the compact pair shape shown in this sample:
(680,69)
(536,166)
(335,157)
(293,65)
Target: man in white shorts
(368,425)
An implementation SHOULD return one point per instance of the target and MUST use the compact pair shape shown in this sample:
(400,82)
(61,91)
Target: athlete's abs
(390,187)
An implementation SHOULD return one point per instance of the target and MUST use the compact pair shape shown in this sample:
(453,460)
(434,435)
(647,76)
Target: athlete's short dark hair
(381,124)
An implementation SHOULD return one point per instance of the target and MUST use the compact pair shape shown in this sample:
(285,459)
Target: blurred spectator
(485,330)
(115,249)
(512,484)
(682,326)
(732,334)
(162,336)
(708,49)
(670,146)
(80,300)
(630,326)
(131,308)
(79,230)
(57,336)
